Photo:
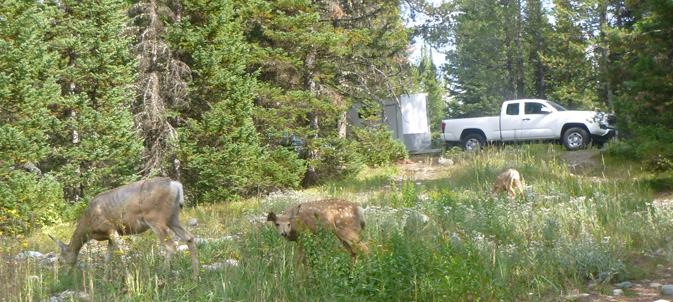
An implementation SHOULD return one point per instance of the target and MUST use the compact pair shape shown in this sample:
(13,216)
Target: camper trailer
(408,120)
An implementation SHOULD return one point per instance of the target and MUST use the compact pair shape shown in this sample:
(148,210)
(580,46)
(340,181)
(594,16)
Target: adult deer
(132,209)
(342,217)
(506,181)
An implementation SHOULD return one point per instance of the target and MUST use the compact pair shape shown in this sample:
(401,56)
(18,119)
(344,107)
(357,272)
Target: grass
(439,239)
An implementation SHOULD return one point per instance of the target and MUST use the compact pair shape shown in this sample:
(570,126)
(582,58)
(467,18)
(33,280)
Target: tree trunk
(311,176)
(342,124)
(520,86)
(510,57)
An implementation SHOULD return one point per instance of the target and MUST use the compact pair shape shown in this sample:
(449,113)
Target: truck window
(533,108)
(512,109)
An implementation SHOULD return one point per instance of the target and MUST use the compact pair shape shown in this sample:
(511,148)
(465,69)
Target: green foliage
(221,150)
(340,158)
(377,146)
(29,202)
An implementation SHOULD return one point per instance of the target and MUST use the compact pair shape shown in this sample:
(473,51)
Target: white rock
(667,290)
(34,254)
(655,285)
(193,222)
(617,292)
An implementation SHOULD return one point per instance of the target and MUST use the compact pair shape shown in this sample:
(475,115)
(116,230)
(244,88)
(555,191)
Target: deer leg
(168,243)
(299,256)
(189,238)
(113,246)
(350,237)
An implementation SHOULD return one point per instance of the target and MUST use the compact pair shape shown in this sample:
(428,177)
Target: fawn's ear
(295,212)
(61,245)
(271,217)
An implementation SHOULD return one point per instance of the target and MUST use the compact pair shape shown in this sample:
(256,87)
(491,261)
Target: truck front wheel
(575,138)
(473,142)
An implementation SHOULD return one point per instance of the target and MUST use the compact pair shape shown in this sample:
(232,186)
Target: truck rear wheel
(473,142)
(575,138)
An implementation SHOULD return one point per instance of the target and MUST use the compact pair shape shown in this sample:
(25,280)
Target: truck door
(510,122)
(537,121)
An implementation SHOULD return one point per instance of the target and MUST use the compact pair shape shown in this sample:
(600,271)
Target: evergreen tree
(571,74)
(644,68)
(476,69)
(431,84)
(220,147)
(94,142)
(315,59)
(29,196)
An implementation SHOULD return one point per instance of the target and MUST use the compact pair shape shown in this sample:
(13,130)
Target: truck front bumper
(604,135)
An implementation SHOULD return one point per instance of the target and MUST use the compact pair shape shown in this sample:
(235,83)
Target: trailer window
(512,109)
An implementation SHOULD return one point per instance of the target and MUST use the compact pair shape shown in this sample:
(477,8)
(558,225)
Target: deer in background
(132,209)
(506,181)
(342,217)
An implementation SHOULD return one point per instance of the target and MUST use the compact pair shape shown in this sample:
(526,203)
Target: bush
(377,146)
(28,201)
(339,158)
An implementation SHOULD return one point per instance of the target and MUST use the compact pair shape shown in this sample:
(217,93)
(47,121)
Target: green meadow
(435,233)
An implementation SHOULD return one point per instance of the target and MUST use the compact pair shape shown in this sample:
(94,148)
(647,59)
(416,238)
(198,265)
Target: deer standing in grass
(132,209)
(342,217)
(506,181)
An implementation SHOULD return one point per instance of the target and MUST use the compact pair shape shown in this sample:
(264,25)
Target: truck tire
(575,138)
(473,142)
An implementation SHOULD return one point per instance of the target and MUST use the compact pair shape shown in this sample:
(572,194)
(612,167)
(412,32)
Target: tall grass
(445,239)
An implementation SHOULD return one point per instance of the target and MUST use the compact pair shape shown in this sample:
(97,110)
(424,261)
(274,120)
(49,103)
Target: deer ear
(271,217)
(61,245)
(295,212)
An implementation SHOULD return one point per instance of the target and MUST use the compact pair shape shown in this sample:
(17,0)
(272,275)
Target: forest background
(95,94)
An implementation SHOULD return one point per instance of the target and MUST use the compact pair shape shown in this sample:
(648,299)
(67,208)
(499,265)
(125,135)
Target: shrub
(28,201)
(339,158)
(377,146)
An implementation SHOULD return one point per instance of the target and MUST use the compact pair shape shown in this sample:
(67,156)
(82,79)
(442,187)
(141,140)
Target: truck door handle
(526,119)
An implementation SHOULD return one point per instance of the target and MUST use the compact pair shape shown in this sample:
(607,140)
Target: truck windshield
(557,106)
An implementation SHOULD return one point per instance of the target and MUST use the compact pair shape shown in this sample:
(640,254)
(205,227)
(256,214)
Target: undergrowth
(444,239)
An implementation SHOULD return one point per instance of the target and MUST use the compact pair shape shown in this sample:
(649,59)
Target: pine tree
(29,194)
(95,145)
(315,59)
(220,146)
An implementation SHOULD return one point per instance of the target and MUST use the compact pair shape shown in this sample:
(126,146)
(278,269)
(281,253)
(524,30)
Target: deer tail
(179,196)
(361,214)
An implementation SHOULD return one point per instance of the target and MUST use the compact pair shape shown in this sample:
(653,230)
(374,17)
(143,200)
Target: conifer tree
(219,146)
(94,142)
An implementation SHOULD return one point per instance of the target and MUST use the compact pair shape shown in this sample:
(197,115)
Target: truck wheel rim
(472,144)
(575,139)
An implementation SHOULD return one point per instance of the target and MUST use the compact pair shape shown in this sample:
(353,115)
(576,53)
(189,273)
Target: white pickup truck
(531,119)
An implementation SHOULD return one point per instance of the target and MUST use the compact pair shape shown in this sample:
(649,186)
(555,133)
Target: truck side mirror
(545,110)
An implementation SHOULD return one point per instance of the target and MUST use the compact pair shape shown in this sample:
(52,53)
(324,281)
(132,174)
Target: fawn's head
(283,222)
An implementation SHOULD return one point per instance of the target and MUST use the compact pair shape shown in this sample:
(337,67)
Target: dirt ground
(651,276)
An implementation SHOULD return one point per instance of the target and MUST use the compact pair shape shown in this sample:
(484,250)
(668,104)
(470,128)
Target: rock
(219,265)
(662,300)
(667,290)
(655,285)
(617,292)
(193,222)
(625,284)
(604,276)
(445,161)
